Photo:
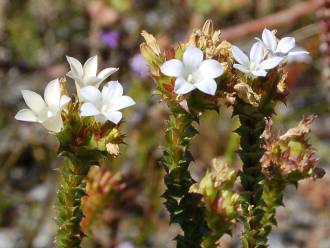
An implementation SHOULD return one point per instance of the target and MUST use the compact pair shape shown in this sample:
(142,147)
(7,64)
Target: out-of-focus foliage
(222,7)
(35,36)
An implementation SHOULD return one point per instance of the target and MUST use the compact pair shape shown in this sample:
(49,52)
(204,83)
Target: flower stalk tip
(87,129)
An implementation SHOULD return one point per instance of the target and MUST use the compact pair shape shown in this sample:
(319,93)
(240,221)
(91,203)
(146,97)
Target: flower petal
(172,68)
(239,55)
(72,75)
(26,115)
(271,63)
(100,118)
(52,93)
(111,91)
(192,57)
(90,67)
(257,52)
(299,55)
(54,123)
(78,87)
(269,40)
(208,86)
(211,68)
(241,68)
(76,68)
(114,116)
(122,102)
(105,73)
(297,52)
(286,45)
(64,101)
(91,94)
(182,87)
(259,73)
(34,101)
(92,81)
(88,109)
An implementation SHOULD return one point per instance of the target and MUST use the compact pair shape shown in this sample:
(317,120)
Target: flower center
(46,113)
(49,113)
(190,78)
(104,108)
(253,66)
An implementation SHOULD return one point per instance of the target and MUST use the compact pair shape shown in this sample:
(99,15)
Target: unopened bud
(112,149)
(208,27)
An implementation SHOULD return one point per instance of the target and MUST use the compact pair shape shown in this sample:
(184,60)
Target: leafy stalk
(273,197)
(71,189)
(253,124)
(82,143)
(184,206)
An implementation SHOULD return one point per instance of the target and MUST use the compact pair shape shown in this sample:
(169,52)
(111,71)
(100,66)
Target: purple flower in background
(110,39)
(126,245)
(139,66)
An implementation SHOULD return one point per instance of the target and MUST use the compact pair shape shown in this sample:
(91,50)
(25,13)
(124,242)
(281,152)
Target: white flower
(106,105)
(282,48)
(87,75)
(193,72)
(255,65)
(48,111)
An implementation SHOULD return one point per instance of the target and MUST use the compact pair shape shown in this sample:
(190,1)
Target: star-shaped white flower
(256,65)
(48,111)
(193,72)
(86,75)
(283,48)
(105,105)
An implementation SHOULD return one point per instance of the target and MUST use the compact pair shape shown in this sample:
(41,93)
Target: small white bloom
(48,111)
(87,75)
(256,65)
(193,72)
(282,48)
(105,105)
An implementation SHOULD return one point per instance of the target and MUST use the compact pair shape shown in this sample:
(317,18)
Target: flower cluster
(217,68)
(104,106)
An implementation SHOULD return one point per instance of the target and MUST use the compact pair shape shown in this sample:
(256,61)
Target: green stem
(233,144)
(184,206)
(273,197)
(71,189)
(252,126)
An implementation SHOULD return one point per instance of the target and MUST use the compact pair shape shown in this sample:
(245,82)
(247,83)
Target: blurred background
(35,36)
